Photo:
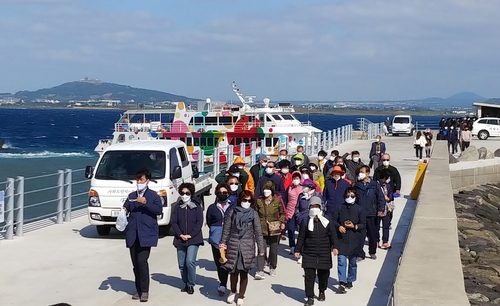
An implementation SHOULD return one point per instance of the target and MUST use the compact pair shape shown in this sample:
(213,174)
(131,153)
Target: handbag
(273,227)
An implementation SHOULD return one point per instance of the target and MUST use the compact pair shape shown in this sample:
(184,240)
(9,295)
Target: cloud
(340,50)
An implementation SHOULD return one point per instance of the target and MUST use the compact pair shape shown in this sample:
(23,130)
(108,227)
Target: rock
(473,254)
(482,151)
(452,159)
(484,234)
(469,224)
(478,297)
(470,154)
(496,301)
(490,155)
(497,153)
(494,198)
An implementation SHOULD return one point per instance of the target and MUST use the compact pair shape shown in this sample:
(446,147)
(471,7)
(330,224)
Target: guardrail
(371,129)
(55,196)
(423,124)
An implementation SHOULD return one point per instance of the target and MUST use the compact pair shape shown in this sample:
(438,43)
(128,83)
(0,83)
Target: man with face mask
(270,175)
(377,149)
(352,164)
(300,149)
(258,169)
(395,181)
(329,164)
(282,156)
(465,137)
(141,233)
(245,178)
(285,174)
(298,161)
(233,170)
(308,191)
(335,187)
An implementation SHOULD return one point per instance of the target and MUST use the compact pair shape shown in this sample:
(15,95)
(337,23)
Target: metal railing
(371,129)
(34,202)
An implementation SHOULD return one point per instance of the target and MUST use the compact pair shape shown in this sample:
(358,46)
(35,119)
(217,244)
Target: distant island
(96,94)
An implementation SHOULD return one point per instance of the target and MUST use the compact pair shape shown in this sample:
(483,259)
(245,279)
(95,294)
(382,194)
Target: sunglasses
(385,160)
(233,183)
(270,167)
(247,200)
(185,193)
(351,196)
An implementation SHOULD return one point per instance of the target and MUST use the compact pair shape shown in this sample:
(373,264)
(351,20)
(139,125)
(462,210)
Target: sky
(282,49)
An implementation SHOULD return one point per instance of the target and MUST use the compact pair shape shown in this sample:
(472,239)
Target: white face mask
(282,157)
(233,187)
(378,140)
(312,168)
(305,176)
(355,159)
(388,181)
(245,205)
(320,157)
(267,192)
(269,170)
(298,162)
(361,176)
(313,212)
(385,163)
(340,163)
(236,174)
(336,177)
(264,164)
(240,167)
(332,158)
(350,200)
(285,170)
(185,198)
(305,190)
(141,187)
(296,182)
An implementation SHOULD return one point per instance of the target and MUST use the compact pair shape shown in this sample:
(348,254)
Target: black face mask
(222,197)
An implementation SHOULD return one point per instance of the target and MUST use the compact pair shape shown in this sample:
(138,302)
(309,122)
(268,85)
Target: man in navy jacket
(143,207)
(377,149)
(270,175)
(335,187)
(370,197)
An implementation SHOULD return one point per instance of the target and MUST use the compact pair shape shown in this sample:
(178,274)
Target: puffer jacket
(316,246)
(370,197)
(275,212)
(319,179)
(291,198)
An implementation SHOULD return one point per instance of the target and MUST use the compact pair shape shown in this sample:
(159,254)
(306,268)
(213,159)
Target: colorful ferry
(213,125)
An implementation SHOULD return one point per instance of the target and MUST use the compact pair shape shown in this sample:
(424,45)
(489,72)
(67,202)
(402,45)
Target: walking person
(386,126)
(240,233)
(215,221)
(385,219)
(350,225)
(291,199)
(143,207)
(418,144)
(377,149)
(315,245)
(466,137)
(428,136)
(187,221)
(272,219)
(452,139)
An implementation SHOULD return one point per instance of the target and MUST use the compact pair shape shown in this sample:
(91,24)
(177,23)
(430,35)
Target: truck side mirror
(176,173)
(89,170)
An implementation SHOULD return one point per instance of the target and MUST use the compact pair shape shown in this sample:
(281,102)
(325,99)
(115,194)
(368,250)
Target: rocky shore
(478,222)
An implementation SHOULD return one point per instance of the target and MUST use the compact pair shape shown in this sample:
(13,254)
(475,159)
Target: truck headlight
(94,198)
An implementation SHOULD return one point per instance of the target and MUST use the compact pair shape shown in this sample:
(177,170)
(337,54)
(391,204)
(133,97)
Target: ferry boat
(214,125)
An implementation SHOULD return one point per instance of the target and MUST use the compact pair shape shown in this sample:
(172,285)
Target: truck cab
(113,179)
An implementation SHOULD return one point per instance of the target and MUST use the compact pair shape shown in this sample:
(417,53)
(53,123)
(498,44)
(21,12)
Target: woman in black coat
(350,222)
(315,244)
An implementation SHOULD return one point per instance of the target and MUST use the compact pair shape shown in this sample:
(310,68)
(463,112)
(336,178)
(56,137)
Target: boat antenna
(239,94)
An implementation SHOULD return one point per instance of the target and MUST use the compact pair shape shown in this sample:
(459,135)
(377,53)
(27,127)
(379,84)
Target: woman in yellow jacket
(250,185)
(318,177)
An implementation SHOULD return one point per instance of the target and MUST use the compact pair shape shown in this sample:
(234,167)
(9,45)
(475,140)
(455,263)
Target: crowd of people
(325,209)
(457,132)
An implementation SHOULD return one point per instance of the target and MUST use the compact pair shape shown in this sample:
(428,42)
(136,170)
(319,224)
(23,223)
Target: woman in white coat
(419,144)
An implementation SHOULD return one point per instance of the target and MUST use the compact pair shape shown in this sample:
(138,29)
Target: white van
(402,124)
(113,178)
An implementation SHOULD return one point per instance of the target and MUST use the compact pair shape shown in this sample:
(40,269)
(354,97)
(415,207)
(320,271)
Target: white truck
(113,179)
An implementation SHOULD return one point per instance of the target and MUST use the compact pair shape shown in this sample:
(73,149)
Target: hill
(88,89)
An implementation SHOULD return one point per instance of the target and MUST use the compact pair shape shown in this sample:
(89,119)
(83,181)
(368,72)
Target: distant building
(487,109)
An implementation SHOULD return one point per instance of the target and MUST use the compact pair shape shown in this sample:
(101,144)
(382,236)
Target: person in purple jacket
(143,206)
(187,221)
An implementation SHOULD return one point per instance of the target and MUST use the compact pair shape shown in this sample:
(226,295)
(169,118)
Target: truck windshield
(401,120)
(120,165)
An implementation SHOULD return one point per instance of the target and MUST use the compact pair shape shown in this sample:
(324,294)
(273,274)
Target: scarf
(324,221)
(191,205)
(241,219)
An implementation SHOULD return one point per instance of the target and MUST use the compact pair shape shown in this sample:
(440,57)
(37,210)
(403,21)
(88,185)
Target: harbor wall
(474,173)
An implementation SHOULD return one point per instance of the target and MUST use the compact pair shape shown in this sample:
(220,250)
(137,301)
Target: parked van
(113,179)
(402,124)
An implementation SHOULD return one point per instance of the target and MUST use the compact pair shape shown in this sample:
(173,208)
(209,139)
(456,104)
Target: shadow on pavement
(118,284)
(90,232)
(173,281)
(293,293)
(206,264)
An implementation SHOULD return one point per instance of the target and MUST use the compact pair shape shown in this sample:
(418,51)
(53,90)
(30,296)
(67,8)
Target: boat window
(198,120)
(123,165)
(288,117)
(261,118)
(269,119)
(277,117)
(183,155)
(210,120)
(271,142)
(237,141)
(189,141)
(210,142)
(226,120)
(246,140)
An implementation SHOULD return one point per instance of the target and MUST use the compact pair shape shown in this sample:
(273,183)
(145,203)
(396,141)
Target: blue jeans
(351,271)
(186,257)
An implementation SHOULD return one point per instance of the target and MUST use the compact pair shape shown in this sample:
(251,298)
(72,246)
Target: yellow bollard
(419,178)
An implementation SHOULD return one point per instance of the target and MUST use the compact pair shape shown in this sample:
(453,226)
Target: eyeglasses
(233,183)
(351,196)
(270,167)
(185,193)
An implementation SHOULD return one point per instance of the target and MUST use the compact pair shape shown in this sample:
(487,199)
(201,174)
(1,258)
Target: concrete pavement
(71,263)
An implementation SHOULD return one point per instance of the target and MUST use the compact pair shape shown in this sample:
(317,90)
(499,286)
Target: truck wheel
(103,230)
(483,135)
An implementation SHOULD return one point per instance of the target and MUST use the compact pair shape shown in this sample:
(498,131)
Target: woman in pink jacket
(290,199)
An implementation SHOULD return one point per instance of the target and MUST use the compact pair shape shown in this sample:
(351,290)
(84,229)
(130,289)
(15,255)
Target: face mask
(305,176)
(385,163)
(285,171)
(245,205)
(320,157)
(296,182)
(378,140)
(350,200)
(236,174)
(387,181)
(305,190)
(141,187)
(312,168)
(185,198)
(336,178)
(361,176)
(332,158)
(233,187)
(264,164)
(355,159)
(267,193)
(222,197)
(269,170)
(282,157)
(313,212)
(298,162)
(240,167)
(340,163)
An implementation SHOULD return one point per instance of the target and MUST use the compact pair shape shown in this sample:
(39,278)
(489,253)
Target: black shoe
(309,302)
(342,288)
(185,289)
(321,296)
(190,290)
(349,285)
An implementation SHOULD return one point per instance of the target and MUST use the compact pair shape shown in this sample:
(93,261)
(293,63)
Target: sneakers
(373,256)
(144,297)
(299,261)
(349,285)
(292,250)
(136,296)
(260,275)
(385,246)
(240,302)
(321,296)
(359,259)
(309,302)
(221,290)
(272,272)
(342,288)
(231,298)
